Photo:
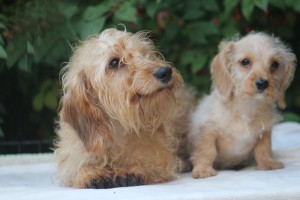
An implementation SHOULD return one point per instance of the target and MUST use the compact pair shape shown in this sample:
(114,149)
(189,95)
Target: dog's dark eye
(274,65)
(114,63)
(245,62)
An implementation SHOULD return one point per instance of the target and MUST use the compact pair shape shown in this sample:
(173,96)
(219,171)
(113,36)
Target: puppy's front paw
(100,183)
(203,172)
(270,165)
(128,180)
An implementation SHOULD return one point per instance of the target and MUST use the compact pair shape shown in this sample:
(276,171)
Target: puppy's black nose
(163,74)
(261,84)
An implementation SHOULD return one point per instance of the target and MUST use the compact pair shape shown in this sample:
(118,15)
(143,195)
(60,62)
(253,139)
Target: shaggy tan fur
(234,122)
(121,101)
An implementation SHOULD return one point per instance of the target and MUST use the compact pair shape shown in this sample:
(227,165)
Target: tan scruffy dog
(234,122)
(122,113)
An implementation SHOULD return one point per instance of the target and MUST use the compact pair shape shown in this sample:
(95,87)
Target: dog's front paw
(128,180)
(100,183)
(184,166)
(203,172)
(270,165)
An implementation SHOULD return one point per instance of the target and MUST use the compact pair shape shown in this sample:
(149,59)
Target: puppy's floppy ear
(80,109)
(220,70)
(289,70)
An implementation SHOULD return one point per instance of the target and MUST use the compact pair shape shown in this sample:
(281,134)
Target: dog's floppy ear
(289,70)
(80,109)
(220,70)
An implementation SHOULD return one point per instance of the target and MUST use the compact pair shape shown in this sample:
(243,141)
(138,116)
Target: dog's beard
(154,109)
(139,113)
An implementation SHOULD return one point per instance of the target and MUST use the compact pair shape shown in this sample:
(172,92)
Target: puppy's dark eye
(245,62)
(114,63)
(274,65)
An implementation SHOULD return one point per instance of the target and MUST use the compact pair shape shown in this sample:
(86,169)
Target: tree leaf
(230,28)
(126,12)
(1,40)
(30,49)
(93,12)
(193,14)
(262,4)
(151,9)
(210,5)
(15,49)
(188,56)
(23,64)
(3,54)
(199,62)
(291,116)
(2,26)
(46,84)
(68,9)
(278,3)
(194,10)
(51,38)
(247,8)
(92,27)
(38,102)
(229,5)
(295,5)
(290,3)
(51,99)
(200,30)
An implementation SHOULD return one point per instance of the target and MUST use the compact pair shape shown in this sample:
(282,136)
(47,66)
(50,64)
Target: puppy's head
(257,65)
(116,77)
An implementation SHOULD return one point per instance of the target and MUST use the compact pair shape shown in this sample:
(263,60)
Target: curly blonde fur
(117,112)
(250,76)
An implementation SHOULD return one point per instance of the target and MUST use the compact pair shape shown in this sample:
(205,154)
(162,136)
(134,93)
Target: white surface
(33,178)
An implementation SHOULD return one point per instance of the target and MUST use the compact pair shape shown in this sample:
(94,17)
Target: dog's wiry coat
(234,123)
(116,113)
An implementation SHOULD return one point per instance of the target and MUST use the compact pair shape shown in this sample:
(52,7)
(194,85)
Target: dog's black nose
(261,84)
(163,74)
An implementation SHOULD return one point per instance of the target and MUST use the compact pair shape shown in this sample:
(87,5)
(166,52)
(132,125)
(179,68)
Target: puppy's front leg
(263,153)
(204,155)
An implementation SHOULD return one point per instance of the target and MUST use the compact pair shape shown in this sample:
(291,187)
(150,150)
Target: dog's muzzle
(261,84)
(163,74)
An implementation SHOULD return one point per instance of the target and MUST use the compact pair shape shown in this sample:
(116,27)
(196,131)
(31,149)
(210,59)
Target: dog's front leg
(204,156)
(263,153)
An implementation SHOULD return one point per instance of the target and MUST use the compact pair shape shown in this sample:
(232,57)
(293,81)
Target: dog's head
(257,65)
(116,77)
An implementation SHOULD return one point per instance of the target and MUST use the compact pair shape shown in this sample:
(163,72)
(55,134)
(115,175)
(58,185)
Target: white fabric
(32,177)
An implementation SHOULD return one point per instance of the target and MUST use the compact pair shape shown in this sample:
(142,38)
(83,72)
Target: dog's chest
(239,143)
(239,139)
(242,129)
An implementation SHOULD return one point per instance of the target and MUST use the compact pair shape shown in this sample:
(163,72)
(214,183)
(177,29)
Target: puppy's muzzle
(163,74)
(261,84)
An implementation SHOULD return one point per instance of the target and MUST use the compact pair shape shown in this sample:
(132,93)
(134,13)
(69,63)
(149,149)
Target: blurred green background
(36,38)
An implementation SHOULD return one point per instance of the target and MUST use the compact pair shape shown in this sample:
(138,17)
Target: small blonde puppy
(233,124)
(121,103)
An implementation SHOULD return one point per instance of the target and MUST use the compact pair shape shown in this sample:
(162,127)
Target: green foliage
(3,54)
(290,116)
(36,39)
(47,96)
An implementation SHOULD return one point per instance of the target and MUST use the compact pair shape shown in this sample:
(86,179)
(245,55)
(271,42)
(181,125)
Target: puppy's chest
(241,136)
(240,142)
